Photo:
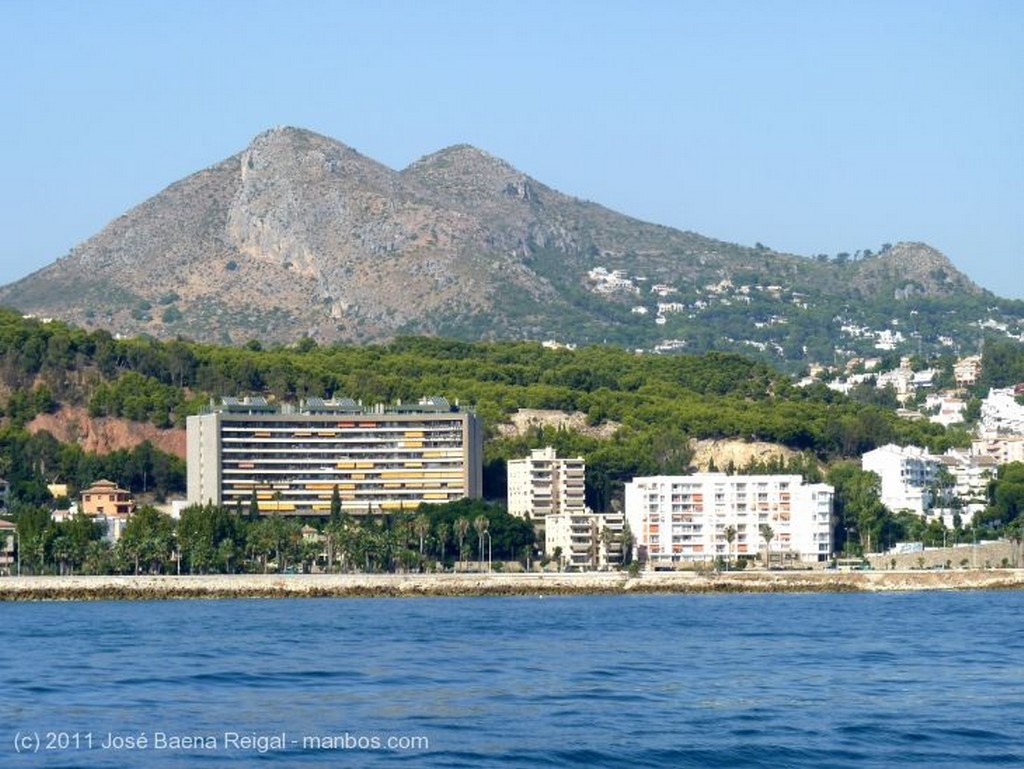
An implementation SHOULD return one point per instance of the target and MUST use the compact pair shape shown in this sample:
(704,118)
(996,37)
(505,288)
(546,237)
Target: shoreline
(88,588)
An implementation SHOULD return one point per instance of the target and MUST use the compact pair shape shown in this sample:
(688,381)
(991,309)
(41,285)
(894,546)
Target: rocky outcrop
(102,435)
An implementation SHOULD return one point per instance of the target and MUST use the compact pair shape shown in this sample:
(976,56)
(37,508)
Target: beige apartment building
(543,484)
(291,458)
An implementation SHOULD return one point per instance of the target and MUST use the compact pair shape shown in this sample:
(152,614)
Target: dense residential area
(428,454)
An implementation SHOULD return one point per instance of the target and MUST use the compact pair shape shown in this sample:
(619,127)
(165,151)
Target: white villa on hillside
(908,476)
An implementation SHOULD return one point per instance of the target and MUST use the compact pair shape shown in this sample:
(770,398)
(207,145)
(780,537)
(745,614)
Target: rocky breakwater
(409,585)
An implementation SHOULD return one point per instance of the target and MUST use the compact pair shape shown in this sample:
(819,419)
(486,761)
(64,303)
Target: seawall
(398,585)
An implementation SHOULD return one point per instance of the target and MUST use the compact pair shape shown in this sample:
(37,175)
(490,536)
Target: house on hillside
(967,370)
(107,498)
(908,475)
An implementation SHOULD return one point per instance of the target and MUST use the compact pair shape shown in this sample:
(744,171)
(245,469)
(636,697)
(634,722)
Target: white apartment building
(585,541)
(684,519)
(543,484)
(908,475)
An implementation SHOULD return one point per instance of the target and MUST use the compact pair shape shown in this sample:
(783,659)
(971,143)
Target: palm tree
(730,536)
(1015,533)
(627,544)
(422,528)
(442,532)
(480,524)
(767,534)
(462,528)
(608,541)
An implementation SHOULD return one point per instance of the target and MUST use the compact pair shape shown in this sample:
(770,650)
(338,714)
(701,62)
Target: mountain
(299,235)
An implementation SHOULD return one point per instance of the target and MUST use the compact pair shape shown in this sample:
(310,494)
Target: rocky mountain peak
(909,269)
(299,234)
(471,176)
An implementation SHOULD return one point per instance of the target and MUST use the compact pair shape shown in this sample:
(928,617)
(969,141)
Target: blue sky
(812,127)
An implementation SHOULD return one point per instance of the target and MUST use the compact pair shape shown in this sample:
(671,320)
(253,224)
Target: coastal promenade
(397,585)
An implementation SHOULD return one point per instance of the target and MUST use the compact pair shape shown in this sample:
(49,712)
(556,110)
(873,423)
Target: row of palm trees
(375,543)
(209,538)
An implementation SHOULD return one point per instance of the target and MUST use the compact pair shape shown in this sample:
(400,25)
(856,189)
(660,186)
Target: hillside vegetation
(659,402)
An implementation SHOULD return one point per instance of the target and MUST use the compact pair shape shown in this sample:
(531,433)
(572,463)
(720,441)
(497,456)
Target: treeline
(705,396)
(209,539)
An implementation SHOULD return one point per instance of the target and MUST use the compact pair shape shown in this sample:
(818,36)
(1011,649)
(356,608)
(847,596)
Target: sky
(811,127)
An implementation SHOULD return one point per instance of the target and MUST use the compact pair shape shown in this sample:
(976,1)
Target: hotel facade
(676,520)
(292,458)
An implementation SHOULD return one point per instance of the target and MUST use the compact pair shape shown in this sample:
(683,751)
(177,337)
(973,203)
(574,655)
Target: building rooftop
(433,404)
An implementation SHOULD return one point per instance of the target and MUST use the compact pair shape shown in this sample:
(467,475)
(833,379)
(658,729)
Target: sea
(918,679)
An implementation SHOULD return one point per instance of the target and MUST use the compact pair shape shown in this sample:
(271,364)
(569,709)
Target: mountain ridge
(301,235)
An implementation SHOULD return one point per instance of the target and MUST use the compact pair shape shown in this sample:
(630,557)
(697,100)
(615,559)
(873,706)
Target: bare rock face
(103,435)
(300,235)
(913,269)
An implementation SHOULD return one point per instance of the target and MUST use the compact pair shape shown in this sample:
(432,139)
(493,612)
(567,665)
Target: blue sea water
(826,680)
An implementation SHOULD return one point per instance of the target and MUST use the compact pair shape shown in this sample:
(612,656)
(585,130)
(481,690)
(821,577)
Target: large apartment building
(685,519)
(291,458)
(542,484)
